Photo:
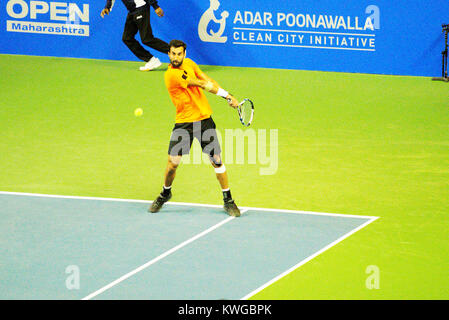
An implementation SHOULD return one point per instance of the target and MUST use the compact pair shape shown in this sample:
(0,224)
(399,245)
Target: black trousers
(140,21)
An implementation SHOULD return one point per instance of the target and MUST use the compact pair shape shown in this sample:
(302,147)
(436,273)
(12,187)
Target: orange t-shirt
(190,102)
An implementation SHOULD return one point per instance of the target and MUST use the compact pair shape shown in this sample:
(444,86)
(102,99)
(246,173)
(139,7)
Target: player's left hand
(159,12)
(104,12)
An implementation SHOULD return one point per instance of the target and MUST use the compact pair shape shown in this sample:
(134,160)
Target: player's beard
(176,64)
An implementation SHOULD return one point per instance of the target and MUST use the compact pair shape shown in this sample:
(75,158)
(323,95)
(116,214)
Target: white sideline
(186,204)
(252,293)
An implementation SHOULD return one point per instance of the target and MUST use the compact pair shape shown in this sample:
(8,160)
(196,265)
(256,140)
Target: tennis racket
(246,112)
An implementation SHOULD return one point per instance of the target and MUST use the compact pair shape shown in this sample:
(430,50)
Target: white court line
(249,295)
(341,215)
(160,257)
(186,204)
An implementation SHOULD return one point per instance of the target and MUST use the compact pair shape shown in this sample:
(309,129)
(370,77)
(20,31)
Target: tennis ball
(138,112)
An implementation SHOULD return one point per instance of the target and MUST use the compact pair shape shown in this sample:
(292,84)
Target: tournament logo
(312,30)
(208,35)
(47,17)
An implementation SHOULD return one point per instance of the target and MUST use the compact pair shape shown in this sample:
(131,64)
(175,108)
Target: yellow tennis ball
(138,112)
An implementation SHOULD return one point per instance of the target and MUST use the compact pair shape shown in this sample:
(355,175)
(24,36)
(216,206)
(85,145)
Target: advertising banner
(379,36)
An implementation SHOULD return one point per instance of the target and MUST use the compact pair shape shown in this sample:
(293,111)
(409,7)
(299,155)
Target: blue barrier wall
(375,36)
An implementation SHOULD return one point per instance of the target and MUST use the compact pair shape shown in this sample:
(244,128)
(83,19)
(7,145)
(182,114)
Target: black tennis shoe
(159,202)
(231,208)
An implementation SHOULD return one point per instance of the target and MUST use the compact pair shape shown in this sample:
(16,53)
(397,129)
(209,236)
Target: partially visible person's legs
(148,39)
(129,39)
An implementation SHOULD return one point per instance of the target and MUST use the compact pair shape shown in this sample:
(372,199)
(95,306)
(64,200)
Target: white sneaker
(154,63)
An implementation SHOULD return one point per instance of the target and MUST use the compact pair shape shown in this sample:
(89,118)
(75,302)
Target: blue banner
(379,36)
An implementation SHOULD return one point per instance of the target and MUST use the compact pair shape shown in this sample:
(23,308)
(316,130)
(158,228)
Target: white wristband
(222,93)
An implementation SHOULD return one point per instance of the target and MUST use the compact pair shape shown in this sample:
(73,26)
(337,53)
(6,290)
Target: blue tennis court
(185,251)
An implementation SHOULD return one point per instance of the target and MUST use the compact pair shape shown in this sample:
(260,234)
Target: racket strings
(246,112)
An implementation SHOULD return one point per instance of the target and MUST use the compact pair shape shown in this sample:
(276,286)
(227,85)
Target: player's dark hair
(177,44)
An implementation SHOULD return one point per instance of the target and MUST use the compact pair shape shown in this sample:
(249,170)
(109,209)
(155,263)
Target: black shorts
(204,131)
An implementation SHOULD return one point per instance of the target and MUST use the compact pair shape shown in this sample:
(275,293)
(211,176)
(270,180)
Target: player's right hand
(104,11)
(159,12)
(233,103)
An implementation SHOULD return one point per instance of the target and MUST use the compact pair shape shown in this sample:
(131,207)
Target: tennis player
(185,84)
